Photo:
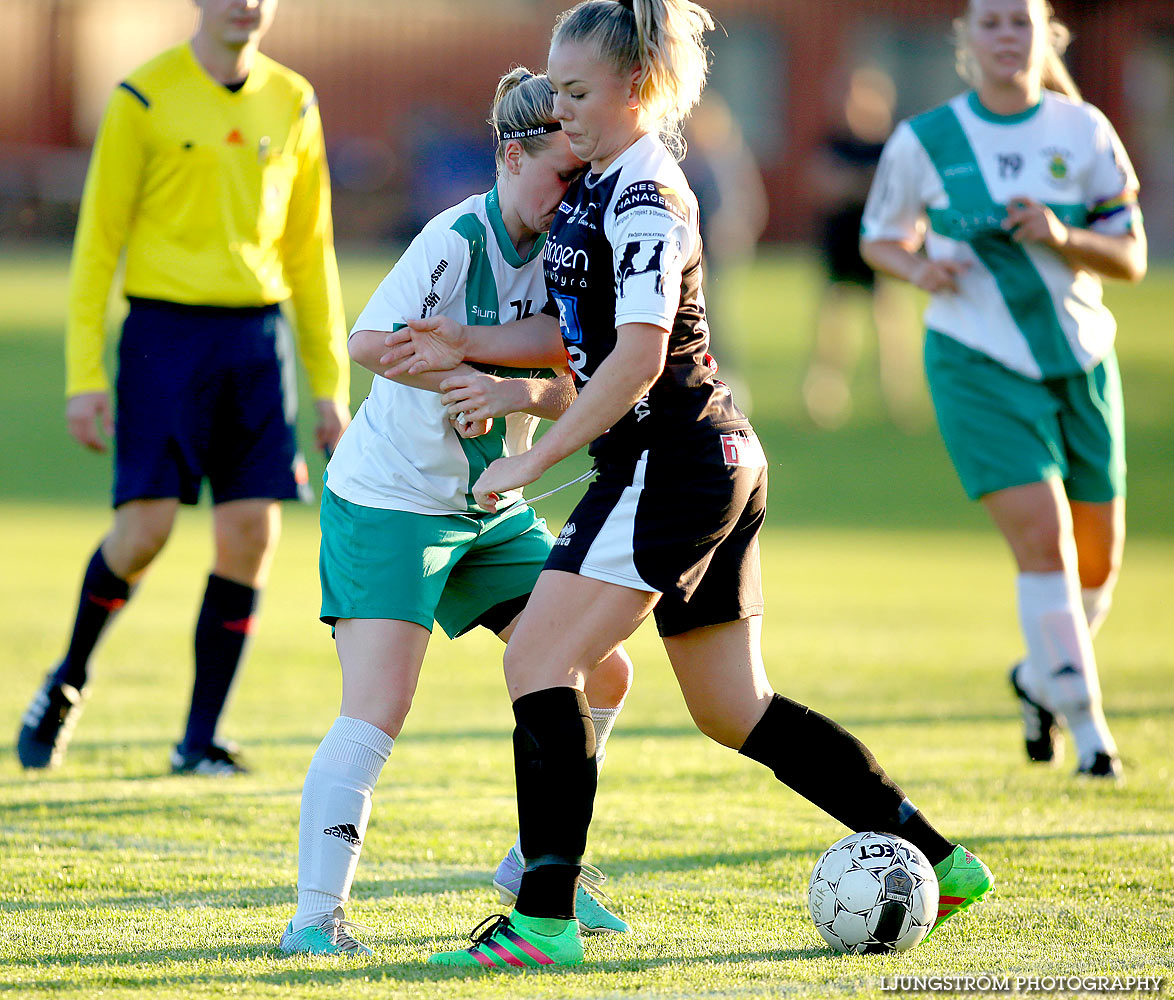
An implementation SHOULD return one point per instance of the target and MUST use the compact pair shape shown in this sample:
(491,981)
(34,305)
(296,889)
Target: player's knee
(1097,569)
(1038,548)
(388,711)
(610,681)
(720,725)
(247,539)
(134,542)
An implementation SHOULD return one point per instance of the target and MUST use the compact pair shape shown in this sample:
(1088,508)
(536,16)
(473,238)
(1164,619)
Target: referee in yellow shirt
(209,171)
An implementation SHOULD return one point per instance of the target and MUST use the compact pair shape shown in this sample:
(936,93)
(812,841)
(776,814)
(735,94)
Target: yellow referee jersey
(219,199)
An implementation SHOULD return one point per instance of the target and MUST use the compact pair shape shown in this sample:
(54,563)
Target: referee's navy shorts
(686,530)
(206,393)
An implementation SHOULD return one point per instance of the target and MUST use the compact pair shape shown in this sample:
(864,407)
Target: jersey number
(522,309)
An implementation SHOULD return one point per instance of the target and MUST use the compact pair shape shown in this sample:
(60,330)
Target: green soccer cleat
(517,942)
(590,900)
(962,879)
(330,937)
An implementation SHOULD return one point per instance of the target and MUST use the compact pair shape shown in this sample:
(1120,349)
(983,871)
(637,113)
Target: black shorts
(206,393)
(684,529)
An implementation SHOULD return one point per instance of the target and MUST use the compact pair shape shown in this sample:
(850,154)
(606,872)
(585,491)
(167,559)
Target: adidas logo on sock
(344,831)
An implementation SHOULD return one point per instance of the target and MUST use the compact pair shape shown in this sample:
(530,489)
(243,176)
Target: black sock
(221,630)
(102,596)
(828,766)
(554,760)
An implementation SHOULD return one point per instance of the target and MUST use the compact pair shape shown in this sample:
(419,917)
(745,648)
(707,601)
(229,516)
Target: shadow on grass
(331,971)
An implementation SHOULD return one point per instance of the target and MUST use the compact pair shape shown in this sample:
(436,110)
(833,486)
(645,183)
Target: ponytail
(523,109)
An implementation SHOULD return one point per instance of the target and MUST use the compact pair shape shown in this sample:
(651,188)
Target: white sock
(1097,601)
(1061,668)
(336,804)
(603,719)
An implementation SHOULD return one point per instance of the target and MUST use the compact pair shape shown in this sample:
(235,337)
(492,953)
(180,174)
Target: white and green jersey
(400,452)
(948,175)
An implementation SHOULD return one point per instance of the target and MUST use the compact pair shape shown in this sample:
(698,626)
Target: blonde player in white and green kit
(403,541)
(1024,198)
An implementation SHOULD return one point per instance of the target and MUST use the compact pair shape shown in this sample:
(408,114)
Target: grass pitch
(890,607)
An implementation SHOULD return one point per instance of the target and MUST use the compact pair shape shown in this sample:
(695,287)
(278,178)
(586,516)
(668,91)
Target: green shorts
(1003,429)
(451,568)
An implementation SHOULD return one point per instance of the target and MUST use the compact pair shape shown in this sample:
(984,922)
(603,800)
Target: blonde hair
(1054,76)
(523,100)
(664,38)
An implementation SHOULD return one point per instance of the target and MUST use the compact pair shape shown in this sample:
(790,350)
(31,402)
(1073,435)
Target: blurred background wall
(404,89)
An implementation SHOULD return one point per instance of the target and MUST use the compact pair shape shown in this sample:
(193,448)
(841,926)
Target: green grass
(890,608)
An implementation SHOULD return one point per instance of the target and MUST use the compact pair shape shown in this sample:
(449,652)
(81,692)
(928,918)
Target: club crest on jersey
(743,450)
(642,257)
(1058,160)
(651,195)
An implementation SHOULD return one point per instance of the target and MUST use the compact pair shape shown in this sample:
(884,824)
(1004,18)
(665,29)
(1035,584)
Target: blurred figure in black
(839,178)
(731,198)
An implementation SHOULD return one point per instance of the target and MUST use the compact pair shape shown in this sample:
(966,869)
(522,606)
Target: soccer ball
(873,892)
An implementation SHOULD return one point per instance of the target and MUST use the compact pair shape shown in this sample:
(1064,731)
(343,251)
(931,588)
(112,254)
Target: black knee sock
(221,630)
(828,766)
(102,596)
(554,760)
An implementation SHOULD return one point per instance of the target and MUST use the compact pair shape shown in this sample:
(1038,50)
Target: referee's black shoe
(1040,728)
(47,725)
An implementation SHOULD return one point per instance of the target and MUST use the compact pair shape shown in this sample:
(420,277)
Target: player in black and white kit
(670,526)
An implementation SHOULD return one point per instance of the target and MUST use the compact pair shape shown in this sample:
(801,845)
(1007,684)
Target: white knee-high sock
(336,804)
(1097,601)
(1061,668)
(602,719)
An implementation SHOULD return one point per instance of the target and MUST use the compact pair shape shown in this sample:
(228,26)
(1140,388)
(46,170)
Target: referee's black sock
(102,596)
(554,760)
(226,618)
(828,766)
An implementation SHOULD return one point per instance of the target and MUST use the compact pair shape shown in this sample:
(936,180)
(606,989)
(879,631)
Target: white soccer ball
(873,892)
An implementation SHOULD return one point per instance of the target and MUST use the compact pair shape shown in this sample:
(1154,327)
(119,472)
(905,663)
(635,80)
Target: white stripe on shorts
(610,557)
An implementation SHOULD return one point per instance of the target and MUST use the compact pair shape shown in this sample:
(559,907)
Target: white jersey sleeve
(652,229)
(895,209)
(1112,186)
(424,282)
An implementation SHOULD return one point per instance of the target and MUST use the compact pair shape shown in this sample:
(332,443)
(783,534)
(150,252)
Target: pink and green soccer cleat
(962,879)
(517,942)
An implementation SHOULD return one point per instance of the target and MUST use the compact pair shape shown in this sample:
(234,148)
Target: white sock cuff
(355,742)
(603,719)
(1045,590)
(1097,601)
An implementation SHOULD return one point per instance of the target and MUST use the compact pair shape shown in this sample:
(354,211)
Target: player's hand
(467,428)
(1031,221)
(434,344)
(85,413)
(333,418)
(505,474)
(480,396)
(935,276)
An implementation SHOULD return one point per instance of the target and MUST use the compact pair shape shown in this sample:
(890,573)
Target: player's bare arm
(1123,256)
(480,395)
(439,342)
(901,260)
(623,377)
